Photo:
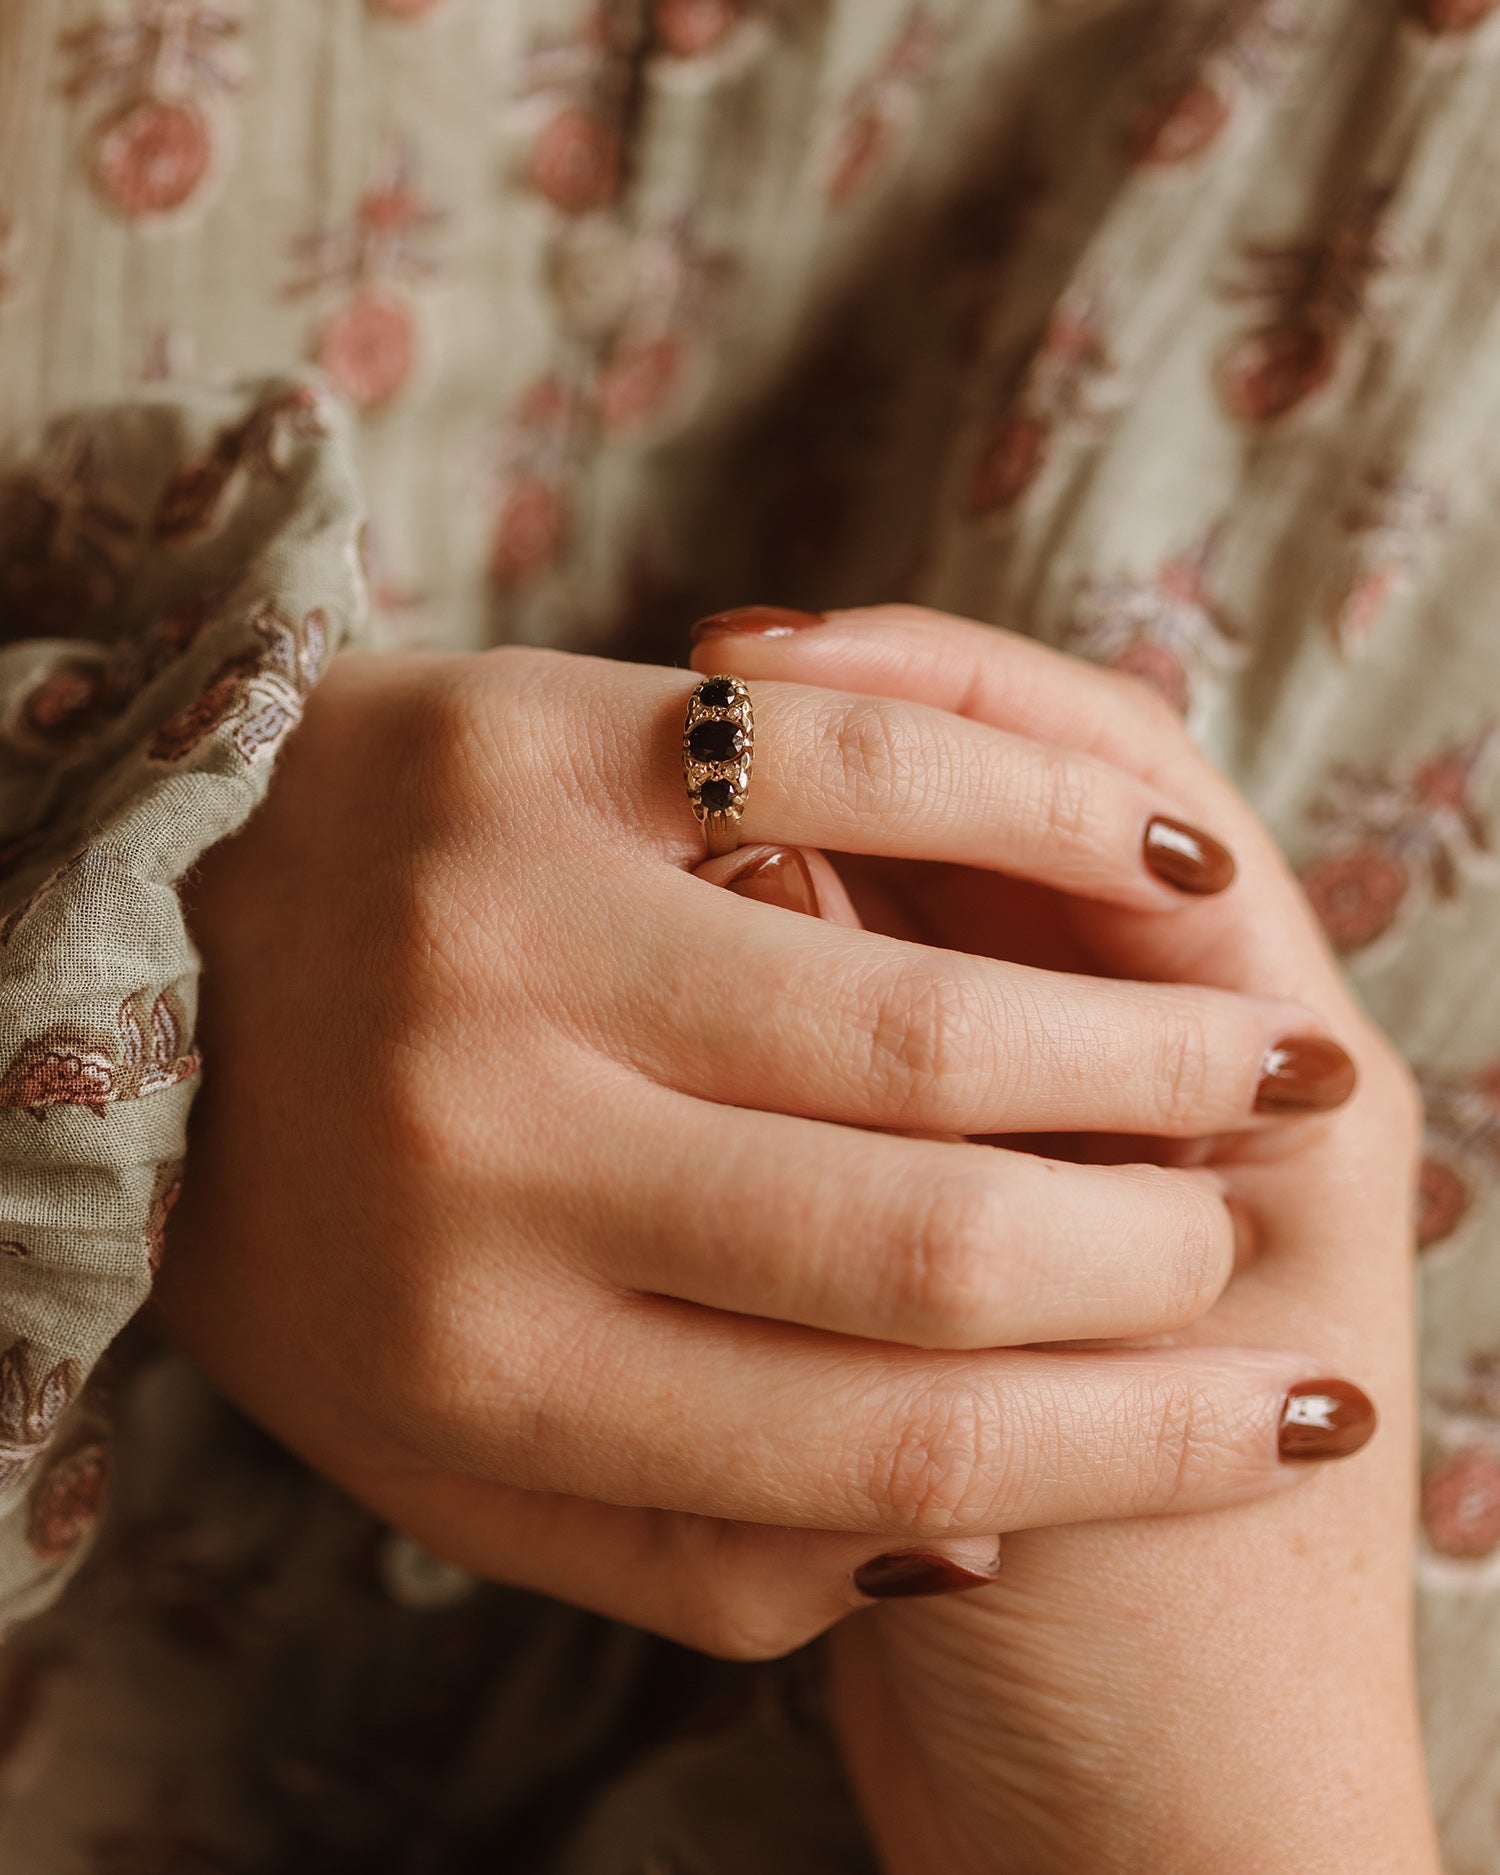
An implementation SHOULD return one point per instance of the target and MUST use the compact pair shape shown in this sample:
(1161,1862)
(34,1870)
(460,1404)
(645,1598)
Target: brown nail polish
(1304,1074)
(1325,1419)
(1186,858)
(916,1572)
(778,877)
(755,621)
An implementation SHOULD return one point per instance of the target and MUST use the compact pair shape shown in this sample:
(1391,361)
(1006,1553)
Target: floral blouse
(1166,330)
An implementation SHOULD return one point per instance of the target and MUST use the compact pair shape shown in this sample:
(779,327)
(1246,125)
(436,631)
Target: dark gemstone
(715,741)
(717,796)
(716,694)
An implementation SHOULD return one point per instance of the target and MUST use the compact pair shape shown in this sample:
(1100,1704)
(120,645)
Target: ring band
(718,740)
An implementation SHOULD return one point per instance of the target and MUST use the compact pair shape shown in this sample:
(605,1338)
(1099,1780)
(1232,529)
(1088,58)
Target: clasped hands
(726,1270)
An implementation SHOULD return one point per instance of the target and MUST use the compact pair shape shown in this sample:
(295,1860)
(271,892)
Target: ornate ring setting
(718,740)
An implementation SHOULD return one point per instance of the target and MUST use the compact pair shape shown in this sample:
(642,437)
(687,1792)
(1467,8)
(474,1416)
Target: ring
(718,740)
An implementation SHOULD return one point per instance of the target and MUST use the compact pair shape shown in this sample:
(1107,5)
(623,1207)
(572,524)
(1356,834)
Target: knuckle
(484,738)
(1068,807)
(921,1030)
(1203,1256)
(730,1621)
(944,1272)
(933,1475)
(1142,702)
(881,758)
(1188,1446)
(1184,1073)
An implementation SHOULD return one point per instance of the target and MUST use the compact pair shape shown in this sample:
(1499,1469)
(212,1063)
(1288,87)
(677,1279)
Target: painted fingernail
(1304,1074)
(1325,1419)
(778,876)
(755,621)
(907,1572)
(1187,858)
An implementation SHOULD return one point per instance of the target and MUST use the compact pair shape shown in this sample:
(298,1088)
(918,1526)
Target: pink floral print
(258,693)
(30,1407)
(1389,529)
(573,97)
(534,462)
(1454,16)
(404,9)
(1309,296)
(1166,628)
(258,448)
(1463,1149)
(166,1189)
(368,346)
(876,119)
(67,1501)
(161,67)
(1070,386)
(1389,832)
(68,1067)
(688,29)
(1461,1480)
(1216,56)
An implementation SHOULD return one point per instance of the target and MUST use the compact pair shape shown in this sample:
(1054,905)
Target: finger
(905,1240)
(737,1591)
(904,780)
(1257,936)
(762,1423)
(738,1003)
(795,878)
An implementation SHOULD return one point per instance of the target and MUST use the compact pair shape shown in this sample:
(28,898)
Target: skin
(1230,1692)
(477,1215)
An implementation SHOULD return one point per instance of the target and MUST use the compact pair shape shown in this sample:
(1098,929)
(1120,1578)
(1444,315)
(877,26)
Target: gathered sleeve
(175,573)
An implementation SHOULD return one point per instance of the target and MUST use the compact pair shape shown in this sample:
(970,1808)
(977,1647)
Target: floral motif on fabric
(535,458)
(404,9)
(256,694)
(31,1404)
(66,1066)
(162,65)
(67,535)
(1217,55)
(1389,530)
(81,696)
(1308,298)
(1462,1149)
(1461,1479)
(257,448)
(368,345)
(1390,834)
(874,124)
(1453,16)
(1166,628)
(573,102)
(67,1501)
(690,29)
(1069,389)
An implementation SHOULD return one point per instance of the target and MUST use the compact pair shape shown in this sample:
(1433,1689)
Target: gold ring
(718,740)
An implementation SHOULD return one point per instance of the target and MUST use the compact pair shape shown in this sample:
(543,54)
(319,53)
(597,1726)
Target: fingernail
(1187,858)
(778,876)
(1304,1074)
(907,1572)
(1325,1419)
(755,621)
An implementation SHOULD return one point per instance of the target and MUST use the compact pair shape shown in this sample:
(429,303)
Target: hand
(1227,1693)
(527,1196)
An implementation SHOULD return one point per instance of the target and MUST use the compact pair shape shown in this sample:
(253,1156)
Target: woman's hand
(1211,1696)
(528,1187)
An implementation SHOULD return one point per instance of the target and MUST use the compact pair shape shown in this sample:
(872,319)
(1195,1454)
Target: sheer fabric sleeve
(174,575)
